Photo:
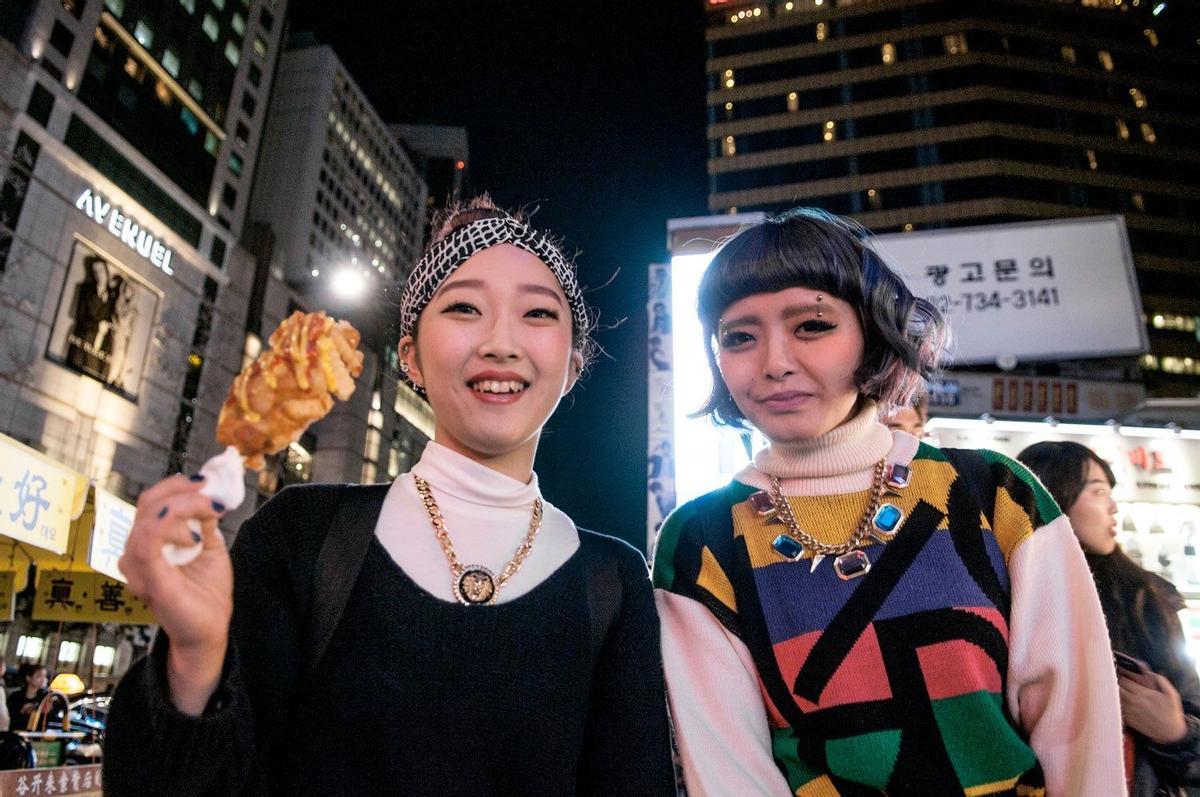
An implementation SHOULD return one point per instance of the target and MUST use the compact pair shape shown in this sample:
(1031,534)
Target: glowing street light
(348,283)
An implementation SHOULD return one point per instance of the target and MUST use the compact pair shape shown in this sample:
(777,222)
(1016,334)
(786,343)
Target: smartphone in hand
(1130,664)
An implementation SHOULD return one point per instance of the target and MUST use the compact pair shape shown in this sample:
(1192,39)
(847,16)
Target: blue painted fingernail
(195,536)
(218,506)
(197,477)
(162,513)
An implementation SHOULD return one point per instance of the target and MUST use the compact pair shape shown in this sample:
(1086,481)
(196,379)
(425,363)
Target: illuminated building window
(210,27)
(235,163)
(1151,36)
(822,31)
(195,89)
(1149,361)
(730,146)
(1093,164)
(190,5)
(874,199)
(955,43)
(260,46)
(220,4)
(1139,201)
(1174,322)
(1068,54)
(1139,99)
(232,53)
(1122,130)
(1148,133)
(29,648)
(889,53)
(68,652)
(830,131)
(1106,60)
(170,62)
(115,7)
(729,81)
(103,658)
(793,101)
(143,34)
(238,23)
(162,92)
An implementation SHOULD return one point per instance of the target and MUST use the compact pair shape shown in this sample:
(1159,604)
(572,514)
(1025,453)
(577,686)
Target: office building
(911,114)
(345,208)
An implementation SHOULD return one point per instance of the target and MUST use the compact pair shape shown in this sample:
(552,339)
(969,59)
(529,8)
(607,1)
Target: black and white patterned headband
(452,251)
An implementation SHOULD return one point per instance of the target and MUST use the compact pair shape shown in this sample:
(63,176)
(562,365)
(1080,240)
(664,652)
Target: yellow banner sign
(7,588)
(76,597)
(114,519)
(38,497)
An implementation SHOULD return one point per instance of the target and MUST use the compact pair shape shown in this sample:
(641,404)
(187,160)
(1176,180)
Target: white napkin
(224,481)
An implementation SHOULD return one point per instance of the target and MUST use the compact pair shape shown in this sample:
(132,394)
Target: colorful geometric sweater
(934,673)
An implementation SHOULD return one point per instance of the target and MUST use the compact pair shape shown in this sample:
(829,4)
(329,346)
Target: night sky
(594,113)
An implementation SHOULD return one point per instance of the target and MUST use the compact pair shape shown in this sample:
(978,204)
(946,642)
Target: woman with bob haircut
(859,612)
(1160,692)
(487,645)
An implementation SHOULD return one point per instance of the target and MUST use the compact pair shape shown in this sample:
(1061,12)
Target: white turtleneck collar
(487,516)
(451,473)
(839,461)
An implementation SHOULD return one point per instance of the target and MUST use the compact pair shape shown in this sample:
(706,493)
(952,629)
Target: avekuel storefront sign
(131,232)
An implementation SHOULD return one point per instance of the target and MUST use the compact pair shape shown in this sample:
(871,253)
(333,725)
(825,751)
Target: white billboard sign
(1031,291)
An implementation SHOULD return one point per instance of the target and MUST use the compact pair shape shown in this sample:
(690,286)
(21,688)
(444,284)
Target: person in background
(4,719)
(1160,691)
(25,698)
(910,418)
(855,613)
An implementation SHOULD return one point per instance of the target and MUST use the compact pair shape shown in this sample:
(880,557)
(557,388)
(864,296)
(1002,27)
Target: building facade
(912,114)
(129,133)
(442,154)
(343,205)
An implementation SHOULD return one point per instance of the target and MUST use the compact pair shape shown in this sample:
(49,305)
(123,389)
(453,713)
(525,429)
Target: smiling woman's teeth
(492,386)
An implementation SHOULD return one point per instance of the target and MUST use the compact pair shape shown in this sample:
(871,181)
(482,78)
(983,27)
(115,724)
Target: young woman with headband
(859,612)
(487,645)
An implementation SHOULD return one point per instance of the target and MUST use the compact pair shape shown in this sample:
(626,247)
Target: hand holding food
(311,359)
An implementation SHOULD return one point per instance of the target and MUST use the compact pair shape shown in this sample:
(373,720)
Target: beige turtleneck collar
(839,461)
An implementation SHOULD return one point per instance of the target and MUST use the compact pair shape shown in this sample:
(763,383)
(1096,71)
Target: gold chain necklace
(476,585)
(820,549)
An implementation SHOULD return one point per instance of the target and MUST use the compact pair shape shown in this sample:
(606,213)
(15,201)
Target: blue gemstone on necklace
(887,518)
(787,547)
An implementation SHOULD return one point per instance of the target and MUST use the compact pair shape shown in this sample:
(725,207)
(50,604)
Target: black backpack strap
(604,587)
(339,562)
(977,474)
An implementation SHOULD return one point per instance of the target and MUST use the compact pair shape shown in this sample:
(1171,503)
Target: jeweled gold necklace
(850,562)
(476,585)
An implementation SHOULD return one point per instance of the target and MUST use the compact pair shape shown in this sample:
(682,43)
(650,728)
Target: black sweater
(544,695)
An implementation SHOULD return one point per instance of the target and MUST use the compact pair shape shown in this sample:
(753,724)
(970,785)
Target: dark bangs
(777,255)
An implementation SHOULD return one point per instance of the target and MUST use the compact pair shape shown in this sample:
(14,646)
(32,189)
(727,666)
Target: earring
(404,367)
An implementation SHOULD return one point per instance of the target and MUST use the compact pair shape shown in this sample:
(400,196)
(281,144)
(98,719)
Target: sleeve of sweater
(1062,686)
(628,745)
(152,748)
(720,721)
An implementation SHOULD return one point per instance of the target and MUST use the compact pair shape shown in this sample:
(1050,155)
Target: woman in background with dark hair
(855,613)
(1161,706)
